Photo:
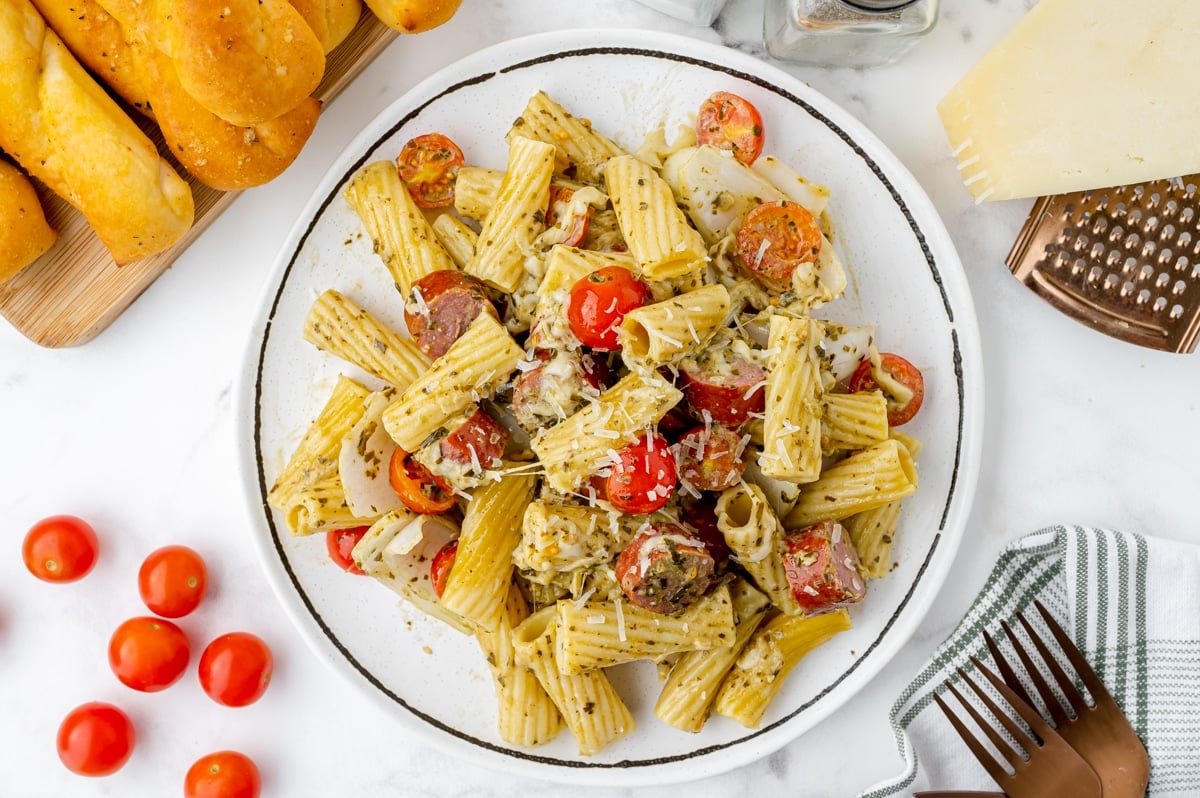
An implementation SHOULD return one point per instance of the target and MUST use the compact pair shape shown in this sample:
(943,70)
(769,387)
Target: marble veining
(135,432)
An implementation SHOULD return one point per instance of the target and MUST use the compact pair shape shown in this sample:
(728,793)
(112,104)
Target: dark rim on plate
(934,273)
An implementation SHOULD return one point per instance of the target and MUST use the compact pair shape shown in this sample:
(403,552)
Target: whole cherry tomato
(598,303)
(340,544)
(440,565)
(732,123)
(95,739)
(148,654)
(61,548)
(420,490)
(172,581)
(644,478)
(428,166)
(224,774)
(902,384)
(776,237)
(235,669)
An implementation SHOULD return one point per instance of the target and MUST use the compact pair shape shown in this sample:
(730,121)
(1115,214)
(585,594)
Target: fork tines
(1069,690)
(1045,735)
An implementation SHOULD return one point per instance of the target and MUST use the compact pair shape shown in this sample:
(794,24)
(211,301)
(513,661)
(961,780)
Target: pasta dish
(619,423)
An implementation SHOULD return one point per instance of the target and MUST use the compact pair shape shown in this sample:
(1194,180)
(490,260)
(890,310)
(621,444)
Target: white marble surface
(134,431)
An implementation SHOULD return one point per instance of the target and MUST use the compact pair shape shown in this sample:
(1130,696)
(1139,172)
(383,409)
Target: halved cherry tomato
(776,237)
(732,123)
(95,739)
(428,166)
(148,654)
(224,774)
(235,669)
(417,488)
(172,581)
(340,544)
(440,565)
(61,548)
(598,303)
(576,225)
(902,384)
(644,478)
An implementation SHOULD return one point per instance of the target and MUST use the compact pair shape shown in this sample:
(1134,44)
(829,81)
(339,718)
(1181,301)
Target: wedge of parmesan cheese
(1080,94)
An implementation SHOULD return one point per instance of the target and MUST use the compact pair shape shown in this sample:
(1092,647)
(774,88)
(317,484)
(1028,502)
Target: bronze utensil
(1100,732)
(1041,765)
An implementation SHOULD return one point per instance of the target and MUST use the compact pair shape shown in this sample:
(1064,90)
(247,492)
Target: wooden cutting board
(74,291)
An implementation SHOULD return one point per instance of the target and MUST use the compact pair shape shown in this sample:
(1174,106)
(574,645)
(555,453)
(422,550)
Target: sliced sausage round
(441,308)
(478,442)
(822,568)
(665,568)
(729,393)
(711,457)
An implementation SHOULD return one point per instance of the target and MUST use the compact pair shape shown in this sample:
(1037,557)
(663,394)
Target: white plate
(905,278)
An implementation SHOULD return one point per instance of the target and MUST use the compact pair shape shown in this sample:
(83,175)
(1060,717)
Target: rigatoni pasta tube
(792,423)
(873,532)
(661,332)
(517,217)
(456,237)
(339,326)
(852,420)
(477,585)
(772,652)
(475,191)
(876,475)
(577,144)
(398,229)
(756,539)
(321,506)
(589,704)
(316,456)
(653,226)
(479,361)
(691,687)
(525,714)
(581,444)
(597,634)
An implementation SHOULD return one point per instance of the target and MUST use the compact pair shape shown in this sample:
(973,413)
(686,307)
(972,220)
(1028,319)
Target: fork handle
(959,794)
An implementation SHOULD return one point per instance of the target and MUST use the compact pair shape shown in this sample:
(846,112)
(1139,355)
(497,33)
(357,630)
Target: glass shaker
(697,12)
(845,32)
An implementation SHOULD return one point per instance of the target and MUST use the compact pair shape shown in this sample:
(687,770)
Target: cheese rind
(1080,94)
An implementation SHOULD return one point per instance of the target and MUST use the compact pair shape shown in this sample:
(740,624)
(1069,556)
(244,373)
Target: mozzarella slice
(364,459)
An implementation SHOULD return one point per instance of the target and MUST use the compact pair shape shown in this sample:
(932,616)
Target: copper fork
(1047,766)
(1100,733)
(958,794)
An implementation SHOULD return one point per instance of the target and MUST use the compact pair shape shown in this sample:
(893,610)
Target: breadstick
(62,127)
(331,20)
(24,232)
(247,61)
(219,154)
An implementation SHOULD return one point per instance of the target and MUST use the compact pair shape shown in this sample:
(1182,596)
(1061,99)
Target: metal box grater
(1123,260)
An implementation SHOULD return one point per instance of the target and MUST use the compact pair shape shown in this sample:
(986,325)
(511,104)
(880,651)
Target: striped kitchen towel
(1132,605)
